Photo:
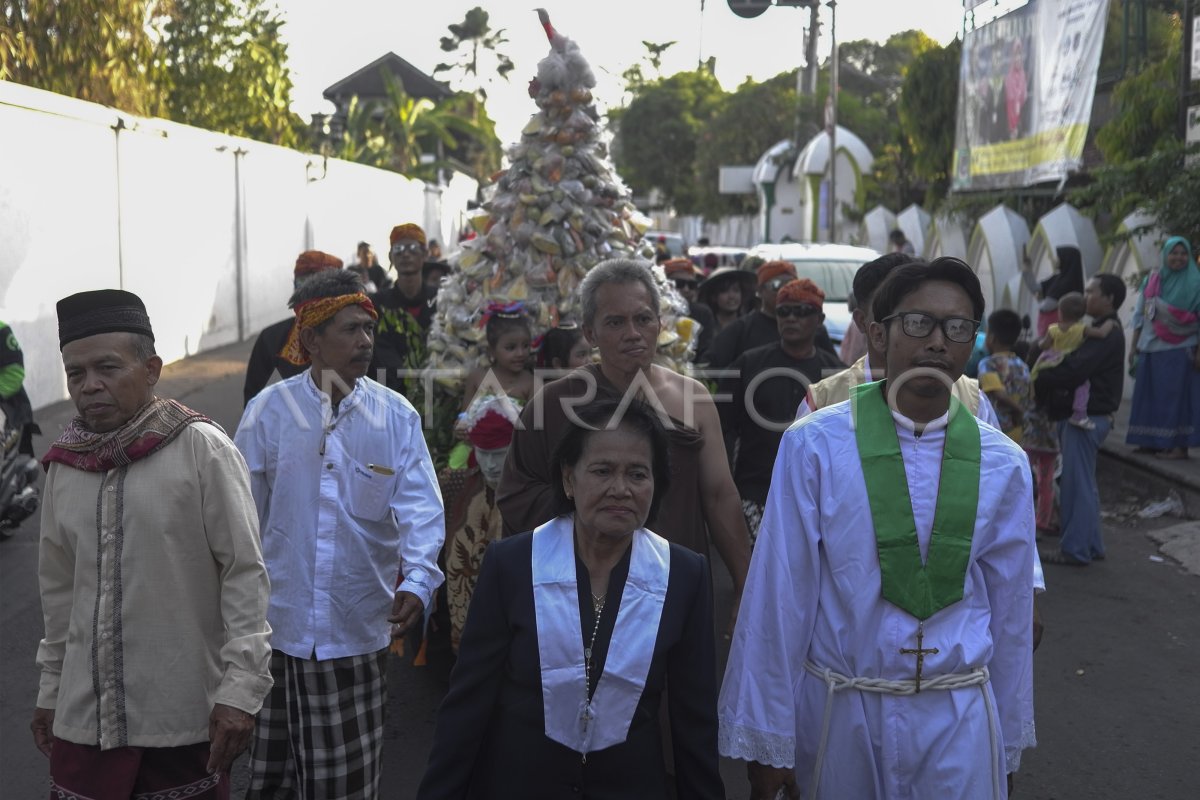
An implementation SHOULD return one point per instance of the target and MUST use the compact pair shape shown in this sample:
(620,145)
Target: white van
(829,266)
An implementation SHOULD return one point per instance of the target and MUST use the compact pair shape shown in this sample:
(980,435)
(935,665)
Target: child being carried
(1063,338)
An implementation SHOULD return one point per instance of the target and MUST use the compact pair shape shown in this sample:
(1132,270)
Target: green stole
(920,589)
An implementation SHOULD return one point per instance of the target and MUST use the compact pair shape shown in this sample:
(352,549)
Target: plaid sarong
(753,512)
(320,731)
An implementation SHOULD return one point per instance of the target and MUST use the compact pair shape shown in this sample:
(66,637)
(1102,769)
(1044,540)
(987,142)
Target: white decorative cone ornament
(557,211)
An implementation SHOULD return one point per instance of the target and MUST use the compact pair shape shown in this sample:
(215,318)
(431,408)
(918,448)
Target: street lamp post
(831,122)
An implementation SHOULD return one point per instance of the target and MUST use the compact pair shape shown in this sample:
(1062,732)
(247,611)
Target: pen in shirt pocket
(381,470)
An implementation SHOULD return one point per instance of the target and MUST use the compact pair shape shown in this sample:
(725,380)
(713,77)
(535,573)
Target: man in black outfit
(1101,361)
(770,383)
(265,360)
(758,327)
(405,312)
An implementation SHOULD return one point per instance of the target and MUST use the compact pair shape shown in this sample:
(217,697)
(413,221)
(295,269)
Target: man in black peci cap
(153,588)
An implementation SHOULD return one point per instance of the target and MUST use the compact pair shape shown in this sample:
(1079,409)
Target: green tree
(414,127)
(747,121)
(97,50)
(927,107)
(470,39)
(1146,105)
(657,136)
(636,76)
(225,68)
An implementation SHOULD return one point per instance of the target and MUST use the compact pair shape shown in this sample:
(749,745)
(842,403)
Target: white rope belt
(836,682)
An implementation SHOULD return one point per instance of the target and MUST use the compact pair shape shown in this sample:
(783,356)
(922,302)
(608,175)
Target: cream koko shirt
(154,595)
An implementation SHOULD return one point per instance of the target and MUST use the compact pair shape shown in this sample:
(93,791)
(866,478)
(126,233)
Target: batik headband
(311,313)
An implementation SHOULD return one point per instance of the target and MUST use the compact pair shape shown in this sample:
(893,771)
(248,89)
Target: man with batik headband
(266,358)
(405,310)
(347,499)
(767,384)
(884,646)
(153,589)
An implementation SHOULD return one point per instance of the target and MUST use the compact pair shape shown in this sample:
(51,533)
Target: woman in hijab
(1067,278)
(1166,396)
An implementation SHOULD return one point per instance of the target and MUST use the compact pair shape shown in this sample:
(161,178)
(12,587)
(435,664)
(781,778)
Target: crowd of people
(882,549)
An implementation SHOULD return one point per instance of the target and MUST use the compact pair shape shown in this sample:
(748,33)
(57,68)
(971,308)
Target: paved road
(1117,689)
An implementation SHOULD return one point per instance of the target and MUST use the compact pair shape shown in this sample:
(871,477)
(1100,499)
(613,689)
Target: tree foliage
(400,132)
(1165,184)
(468,41)
(746,122)
(216,64)
(225,69)
(97,50)
(658,134)
(1145,105)
(927,105)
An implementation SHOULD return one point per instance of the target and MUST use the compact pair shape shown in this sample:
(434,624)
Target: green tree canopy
(225,69)
(97,50)
(927,107)
(658,133)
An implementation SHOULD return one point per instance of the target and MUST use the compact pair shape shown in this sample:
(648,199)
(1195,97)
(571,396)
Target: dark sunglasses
(919,325)
(796,310)
(778,283)
(408,247)
(685,284)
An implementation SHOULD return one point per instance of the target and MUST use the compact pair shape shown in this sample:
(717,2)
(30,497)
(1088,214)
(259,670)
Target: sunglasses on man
(683,283)
(919,325)
(778,283)
(796,310)
(408,247)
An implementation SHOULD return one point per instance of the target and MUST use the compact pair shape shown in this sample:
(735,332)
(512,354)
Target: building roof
(368,81)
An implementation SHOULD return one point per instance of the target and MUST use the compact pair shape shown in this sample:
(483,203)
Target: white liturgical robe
(814,595)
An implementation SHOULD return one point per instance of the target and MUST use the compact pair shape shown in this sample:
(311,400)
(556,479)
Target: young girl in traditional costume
(492,400)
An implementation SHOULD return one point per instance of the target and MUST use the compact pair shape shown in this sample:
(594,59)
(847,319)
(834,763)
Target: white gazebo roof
(1135,254)
(770,165)
(948,236)
(914,221)
(876,225)
(1064,226)
(814,158)
(995,252)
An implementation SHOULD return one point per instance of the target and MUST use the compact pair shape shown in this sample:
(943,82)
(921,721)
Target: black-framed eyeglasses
(408,247)
(685,284)
(919,325)
(796,310)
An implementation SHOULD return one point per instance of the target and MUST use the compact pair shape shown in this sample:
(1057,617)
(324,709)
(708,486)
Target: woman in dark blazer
(573,634)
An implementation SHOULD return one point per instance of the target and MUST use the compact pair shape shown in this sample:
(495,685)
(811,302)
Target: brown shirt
(526,494)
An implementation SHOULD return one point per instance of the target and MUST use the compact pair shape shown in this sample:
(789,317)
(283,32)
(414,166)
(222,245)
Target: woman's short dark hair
(607,414)
(904,280)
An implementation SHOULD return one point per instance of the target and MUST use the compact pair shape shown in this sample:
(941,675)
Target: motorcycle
(19,496)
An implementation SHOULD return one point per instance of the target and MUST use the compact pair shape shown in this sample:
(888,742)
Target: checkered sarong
(753,512)
(320,732)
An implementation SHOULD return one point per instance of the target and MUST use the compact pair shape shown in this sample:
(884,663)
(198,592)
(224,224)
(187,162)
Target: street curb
(1180,543)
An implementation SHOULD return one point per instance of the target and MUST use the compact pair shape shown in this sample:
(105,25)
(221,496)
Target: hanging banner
(1025,91)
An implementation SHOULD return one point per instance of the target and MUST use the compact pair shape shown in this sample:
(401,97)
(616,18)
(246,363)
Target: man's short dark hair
(897,236)
(1112,287)
(606,414)
(1005,327)
(905,280)
(871,274)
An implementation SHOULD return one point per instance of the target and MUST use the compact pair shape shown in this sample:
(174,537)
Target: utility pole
(831,122)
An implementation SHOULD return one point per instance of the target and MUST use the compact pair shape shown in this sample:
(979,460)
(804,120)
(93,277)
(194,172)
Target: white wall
(204,227)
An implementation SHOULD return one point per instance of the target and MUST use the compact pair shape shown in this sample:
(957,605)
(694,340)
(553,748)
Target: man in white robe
(824,689)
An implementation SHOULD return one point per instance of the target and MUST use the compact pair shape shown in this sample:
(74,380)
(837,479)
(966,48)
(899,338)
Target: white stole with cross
(571,719)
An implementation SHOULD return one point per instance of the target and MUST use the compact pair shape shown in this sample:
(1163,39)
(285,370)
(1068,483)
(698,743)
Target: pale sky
(329,40)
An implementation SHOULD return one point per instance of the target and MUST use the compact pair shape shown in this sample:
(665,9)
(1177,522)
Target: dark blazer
(490,740)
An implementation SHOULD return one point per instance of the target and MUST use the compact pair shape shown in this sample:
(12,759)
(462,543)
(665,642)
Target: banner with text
(1025,91)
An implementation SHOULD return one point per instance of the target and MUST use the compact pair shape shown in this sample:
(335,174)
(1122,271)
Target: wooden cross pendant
(919,652)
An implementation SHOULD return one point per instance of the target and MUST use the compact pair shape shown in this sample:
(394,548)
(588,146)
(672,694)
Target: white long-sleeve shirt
(346,501)
(813,594)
